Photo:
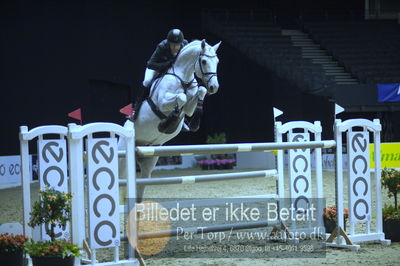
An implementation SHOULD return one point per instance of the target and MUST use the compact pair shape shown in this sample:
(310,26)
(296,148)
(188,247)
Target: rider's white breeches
(149,75)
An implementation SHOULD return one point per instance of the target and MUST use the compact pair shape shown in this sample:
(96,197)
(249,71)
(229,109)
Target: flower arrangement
(59,247)
(217,164)
(330,213)
(390,179)
(390,213)
(11,242)
(52,209)
(218,161)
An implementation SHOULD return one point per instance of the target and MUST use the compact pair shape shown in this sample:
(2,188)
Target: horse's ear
(216,46)
(203,44)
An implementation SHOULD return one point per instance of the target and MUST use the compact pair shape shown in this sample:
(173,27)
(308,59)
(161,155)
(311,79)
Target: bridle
(187,85)
(204,74)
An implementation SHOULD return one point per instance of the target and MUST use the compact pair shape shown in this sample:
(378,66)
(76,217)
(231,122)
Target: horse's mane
(195,43)
(192,43)
(191,51)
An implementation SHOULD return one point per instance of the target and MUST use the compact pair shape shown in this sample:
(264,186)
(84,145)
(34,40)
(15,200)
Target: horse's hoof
(195,128)
(194,124)
(185,128)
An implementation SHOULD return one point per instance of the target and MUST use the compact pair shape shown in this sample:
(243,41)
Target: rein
(185,85)
(153,106)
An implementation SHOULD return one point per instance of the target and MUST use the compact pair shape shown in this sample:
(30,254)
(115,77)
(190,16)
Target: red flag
(76,114)
(127,110)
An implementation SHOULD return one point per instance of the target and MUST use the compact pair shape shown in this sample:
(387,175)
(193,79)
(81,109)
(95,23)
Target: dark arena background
(299,56)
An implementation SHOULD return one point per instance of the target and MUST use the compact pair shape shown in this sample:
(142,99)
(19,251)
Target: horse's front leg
(195,110)
(195,96)
(171,101)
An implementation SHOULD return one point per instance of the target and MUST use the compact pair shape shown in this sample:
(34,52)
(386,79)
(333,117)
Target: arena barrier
(102,157)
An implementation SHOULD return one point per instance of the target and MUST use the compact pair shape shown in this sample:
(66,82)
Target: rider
(163,57)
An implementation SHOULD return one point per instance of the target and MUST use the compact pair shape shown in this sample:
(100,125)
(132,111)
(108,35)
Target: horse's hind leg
(147,165)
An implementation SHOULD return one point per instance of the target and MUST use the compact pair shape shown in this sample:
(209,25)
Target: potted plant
(11,249)
(217,138)
(329,216)
(53,209)
(390,180)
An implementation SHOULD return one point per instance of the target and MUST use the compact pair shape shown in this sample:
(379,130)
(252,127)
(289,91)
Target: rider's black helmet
(175,36)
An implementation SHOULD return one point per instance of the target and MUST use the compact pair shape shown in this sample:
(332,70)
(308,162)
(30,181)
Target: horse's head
(206,66)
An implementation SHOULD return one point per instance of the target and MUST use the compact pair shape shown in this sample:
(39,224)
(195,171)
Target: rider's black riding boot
(170,124)
(194,123)
(143,94)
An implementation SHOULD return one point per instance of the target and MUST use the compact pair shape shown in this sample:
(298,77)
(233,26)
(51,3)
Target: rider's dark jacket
(162,58)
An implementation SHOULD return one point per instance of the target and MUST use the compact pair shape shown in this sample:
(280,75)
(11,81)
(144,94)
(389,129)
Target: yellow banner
(390,155)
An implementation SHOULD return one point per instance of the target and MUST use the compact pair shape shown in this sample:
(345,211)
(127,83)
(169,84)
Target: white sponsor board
(10,171)
(103,189)
(300,172)
(359,177)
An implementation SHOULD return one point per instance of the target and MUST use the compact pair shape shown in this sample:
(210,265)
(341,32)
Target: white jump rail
(203,178)
(227,148)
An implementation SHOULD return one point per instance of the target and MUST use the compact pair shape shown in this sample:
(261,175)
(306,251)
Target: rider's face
(174,48)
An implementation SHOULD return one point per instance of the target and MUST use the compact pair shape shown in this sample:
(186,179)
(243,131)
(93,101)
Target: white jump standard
(359,185)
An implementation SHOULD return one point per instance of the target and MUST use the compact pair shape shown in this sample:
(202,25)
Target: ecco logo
(300,172)
(359,175)
(103,192)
